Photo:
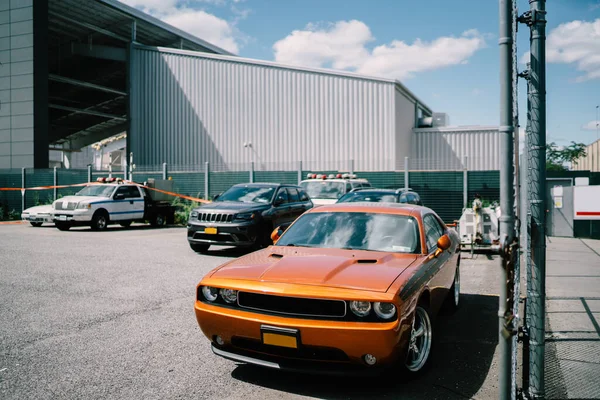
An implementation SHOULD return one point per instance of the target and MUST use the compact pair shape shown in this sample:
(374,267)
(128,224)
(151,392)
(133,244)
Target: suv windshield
(324,189)
(354,230)
(248,194)
(374,197)
(96,190)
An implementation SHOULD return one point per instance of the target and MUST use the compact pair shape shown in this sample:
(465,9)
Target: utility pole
(507,220)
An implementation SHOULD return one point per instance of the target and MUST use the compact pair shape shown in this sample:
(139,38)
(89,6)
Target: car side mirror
(216,196)
(276,234)
(443,244)
(119,196)
(278,201)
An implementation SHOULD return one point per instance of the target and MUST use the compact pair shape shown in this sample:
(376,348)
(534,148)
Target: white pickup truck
(98,205)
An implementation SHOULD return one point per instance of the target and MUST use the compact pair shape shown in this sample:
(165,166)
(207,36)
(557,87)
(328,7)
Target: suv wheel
(100,221)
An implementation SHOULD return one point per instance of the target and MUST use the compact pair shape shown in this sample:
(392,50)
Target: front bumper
(228,234)
(37,218)
(72,216)
(323,346)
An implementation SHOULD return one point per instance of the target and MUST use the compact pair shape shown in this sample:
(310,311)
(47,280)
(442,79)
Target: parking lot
(88,314)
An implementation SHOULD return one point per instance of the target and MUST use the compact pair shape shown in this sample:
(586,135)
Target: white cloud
(343,45)
(591,126)
(576,42)
(197,22)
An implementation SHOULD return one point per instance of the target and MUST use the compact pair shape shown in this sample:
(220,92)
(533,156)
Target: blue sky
(446,52)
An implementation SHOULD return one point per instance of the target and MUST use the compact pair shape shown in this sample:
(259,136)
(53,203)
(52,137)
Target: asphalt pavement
(99,315)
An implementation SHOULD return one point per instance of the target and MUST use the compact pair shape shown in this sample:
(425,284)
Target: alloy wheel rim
(419,345)
(101,222)
(159,220)
(457,286)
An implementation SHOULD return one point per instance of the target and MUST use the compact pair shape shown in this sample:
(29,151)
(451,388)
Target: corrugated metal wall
(591,162)
(188,109)
(446,149)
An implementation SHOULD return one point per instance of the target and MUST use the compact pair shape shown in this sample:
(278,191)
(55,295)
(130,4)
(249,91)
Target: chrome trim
(250,360)
(278,329)
(292,314)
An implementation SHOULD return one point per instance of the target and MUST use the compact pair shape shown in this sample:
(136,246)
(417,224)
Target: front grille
(292,305)
(304,352)
(60,205)
(215,217)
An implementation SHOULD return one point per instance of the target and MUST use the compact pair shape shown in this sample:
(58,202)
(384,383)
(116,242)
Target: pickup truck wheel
(36,224)
(199,248)
(126,224)
(100,221)
(159,220)
(61,226)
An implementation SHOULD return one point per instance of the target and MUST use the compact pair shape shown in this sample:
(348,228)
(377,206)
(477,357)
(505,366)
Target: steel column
(405,172)
(55,190)
(206,181)
(506,195)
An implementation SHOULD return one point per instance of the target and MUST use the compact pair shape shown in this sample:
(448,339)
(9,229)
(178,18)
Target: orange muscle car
(349,286)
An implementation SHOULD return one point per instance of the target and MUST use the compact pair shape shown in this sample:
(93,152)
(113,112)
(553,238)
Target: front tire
(61,226)
(420,342)
(36,224)
(199,247)
(159,221)
(100,221)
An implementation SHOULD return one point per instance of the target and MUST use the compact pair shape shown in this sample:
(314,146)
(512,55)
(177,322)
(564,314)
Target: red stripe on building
(596,213)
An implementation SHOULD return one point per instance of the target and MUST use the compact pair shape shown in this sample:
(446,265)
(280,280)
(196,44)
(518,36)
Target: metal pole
(206,180)
(351,166)
(23,189)
(537,160)
(164,171)
(131,166)
(55,191)
(251,177)
(299,172)
(406,173)
(506,194)
(89,168)
(465,184)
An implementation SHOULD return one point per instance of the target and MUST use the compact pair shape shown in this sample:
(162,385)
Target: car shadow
(461,361)
(228,252)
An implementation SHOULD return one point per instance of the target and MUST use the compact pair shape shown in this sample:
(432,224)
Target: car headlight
(210,293)
(360,308)
(245,216)
(84,205)
(229,295)
(194,215)
(384,310)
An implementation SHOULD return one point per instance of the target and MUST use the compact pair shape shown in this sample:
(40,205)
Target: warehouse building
(591,161)
(76,72)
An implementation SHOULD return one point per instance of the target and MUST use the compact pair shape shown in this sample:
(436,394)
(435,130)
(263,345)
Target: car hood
(224,206)
(79,199)
(348,269)
(39,209)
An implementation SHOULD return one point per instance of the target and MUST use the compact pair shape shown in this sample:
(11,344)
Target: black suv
(245,215)
(382,196)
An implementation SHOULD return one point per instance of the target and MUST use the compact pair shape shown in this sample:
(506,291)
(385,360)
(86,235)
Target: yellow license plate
(210,231)
(280,340)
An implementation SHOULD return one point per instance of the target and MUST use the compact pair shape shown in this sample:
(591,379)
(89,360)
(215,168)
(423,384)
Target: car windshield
(248,194)
(324,189)
(96,190)
(373,197)
(354,230)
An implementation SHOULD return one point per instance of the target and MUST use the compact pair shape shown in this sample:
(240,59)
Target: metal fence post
(251,177)
(164,171)
(55,191)
(89,168)
(23,182)
(299,172)
(206,181)
(406,186)
(465,184)
(351,166)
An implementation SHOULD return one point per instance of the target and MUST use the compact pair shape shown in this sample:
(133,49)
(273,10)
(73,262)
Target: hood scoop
(275,255)
(366,261)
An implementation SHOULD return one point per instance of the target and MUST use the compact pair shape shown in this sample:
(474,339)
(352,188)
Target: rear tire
(158,221)
(61,226)
(36,224)
(199,248)
(100,221)
(452,302)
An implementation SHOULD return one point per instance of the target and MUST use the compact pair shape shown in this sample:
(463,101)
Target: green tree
(556,157)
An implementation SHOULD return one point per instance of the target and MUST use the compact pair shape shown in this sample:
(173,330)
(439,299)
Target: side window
(433,231)
(282,196)
(348,187)
(403,198)
(124,190)
(134,192)
(412,199)
(417,199)
(303,195)
(293,195)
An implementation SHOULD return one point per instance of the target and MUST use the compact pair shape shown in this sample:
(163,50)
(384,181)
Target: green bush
(183,210)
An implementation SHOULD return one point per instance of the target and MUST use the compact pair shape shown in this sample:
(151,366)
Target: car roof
(267,184)
(369,207)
